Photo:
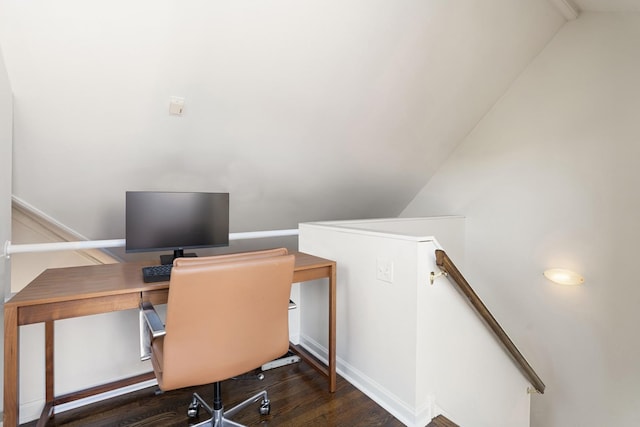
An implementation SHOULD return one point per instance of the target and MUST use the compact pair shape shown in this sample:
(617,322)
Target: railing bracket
(433,275)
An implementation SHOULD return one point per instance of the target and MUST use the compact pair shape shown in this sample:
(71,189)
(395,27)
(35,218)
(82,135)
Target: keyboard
(156,273)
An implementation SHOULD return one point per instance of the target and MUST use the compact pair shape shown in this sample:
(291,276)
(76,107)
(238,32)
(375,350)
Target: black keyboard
(156,273)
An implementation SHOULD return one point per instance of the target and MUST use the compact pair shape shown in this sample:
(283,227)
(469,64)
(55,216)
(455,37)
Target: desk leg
(49,362)
(11,357)
(332,330)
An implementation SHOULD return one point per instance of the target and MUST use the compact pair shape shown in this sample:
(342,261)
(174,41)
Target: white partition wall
(6,146)
(417,349)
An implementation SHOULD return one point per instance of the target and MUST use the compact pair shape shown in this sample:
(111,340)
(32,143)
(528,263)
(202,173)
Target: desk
(63,293)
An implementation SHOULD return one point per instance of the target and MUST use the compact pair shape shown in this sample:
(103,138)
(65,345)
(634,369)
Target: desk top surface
(63,284)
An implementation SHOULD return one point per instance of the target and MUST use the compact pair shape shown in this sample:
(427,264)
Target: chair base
(219,416)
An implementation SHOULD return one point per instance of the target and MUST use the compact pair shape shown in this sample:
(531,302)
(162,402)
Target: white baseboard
(376,392)
(30,411)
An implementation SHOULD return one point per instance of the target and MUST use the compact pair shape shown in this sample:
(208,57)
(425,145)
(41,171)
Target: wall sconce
(564,277)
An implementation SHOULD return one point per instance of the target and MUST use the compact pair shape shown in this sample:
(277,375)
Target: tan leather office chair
(226,315)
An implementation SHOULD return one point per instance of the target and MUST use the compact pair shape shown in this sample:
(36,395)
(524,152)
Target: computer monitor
(161,221)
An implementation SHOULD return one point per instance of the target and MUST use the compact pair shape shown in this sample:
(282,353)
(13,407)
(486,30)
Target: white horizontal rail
(262,234)
(10,249)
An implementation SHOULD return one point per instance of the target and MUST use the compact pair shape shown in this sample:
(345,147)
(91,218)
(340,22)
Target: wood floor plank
(299,397)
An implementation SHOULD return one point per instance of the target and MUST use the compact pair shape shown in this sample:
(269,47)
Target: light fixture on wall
(563,277)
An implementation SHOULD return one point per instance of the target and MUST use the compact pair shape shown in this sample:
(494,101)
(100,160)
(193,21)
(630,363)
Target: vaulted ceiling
(301,110)
(607,5)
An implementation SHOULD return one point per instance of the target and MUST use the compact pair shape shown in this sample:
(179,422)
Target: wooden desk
(62,293)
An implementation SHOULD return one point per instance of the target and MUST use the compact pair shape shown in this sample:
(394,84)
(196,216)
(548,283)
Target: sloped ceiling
(301,110)
(608,5)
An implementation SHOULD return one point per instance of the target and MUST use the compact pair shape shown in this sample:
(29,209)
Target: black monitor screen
(157,221)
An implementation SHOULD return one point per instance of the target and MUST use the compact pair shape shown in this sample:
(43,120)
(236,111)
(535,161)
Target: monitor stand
(178,253)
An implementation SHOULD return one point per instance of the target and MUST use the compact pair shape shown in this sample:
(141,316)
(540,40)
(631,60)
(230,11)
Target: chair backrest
(230,257)
(226,315)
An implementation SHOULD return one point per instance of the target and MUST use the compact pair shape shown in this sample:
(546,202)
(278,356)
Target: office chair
(226,315)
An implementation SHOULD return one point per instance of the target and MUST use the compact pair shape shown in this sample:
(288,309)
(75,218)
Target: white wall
(6,146)
(550,178)
(418,350)
(302,110)
(6,150)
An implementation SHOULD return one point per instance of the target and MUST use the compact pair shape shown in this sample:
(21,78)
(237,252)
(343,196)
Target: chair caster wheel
(265,407)
(192,411)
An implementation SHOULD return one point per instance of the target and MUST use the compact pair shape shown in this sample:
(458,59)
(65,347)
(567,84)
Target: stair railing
(450,270)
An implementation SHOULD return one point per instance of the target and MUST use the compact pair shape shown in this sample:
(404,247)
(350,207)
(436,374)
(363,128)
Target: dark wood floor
(299,397)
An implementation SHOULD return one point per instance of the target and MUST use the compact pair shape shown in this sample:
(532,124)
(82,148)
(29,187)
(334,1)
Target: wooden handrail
(444,262)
